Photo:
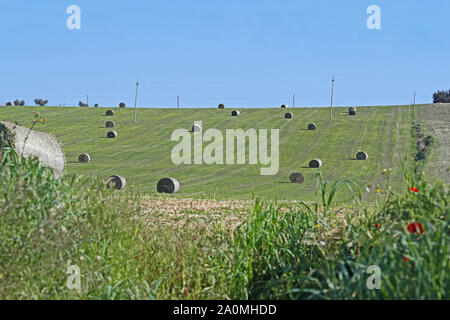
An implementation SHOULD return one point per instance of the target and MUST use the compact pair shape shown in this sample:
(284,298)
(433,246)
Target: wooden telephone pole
(293,101)
(135,101)
(332,95)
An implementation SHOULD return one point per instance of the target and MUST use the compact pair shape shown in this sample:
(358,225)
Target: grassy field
(141,152)
(436,121)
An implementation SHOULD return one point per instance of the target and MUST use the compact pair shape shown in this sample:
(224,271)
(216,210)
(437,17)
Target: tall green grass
(283,250)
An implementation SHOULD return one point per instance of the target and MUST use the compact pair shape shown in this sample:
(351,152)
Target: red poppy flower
(414,190)
(415,227)
(405,258)
(377,225)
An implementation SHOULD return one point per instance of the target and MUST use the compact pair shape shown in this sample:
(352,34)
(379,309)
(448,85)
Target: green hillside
(142,151)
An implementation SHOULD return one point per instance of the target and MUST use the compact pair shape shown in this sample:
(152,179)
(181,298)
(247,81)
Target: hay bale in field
(284,106)
(312,126)
(288,115)
(296,177)
(315,163)
(109,124)
(116,182)
(109,112)
(46,147)
(235,113)
(84,158)
(111,134)
(196,128)
(168,185)
(9,104)
(362,155)
(122,105)
(351,108)
(221,106)
(352,112)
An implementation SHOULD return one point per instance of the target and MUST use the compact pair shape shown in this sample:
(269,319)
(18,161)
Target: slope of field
(142,151)
(437,123)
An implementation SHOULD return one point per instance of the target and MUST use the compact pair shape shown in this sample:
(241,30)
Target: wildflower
(42,120)
(405,259)
(317,225)
(377,225)
(378,190)
(415,227)
(414,190)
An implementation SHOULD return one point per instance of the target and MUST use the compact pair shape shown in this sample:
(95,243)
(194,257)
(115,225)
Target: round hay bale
(296,177)
(168,185)
(9,104)
(362,155)
(352,112)
(235,113)
(109,112)
(122,105)
(351,108)
(111,134)
(312,126)
(315,163)
(196,128)
(284,106)
(221,106)
(109,124)
(96,105)
(84,158)
(46,147)
(288,115)
(116,182)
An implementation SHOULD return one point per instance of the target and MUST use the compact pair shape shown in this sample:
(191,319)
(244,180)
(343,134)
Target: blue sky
(242,53)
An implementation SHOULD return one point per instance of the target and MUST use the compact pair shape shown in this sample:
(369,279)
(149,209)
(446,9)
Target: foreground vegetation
(282,250)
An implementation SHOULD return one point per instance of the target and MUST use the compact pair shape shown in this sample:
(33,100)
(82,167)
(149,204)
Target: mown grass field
(142,151)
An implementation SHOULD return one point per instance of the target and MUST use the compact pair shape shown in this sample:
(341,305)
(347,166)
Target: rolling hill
(142,151)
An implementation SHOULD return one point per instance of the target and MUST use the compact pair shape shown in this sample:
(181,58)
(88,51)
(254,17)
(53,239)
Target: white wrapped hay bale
(315,163)
(196,128)
(362,155)
(46,147)
(312,126)
(168,185)
(116,182)
(235,113)
(84,158)
(111,134)
(283,106)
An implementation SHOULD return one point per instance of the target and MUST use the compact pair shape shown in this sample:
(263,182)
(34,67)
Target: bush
(40,102)
(9,103)
(441,96)
(18,102)
(122,105)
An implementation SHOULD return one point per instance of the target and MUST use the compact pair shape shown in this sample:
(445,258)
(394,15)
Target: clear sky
(244,53)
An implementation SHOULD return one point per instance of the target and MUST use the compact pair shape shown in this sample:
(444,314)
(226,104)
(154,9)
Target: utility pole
(87,100)
(332,95)
(135,101)
(178,102)
(414,100)
(293,101)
